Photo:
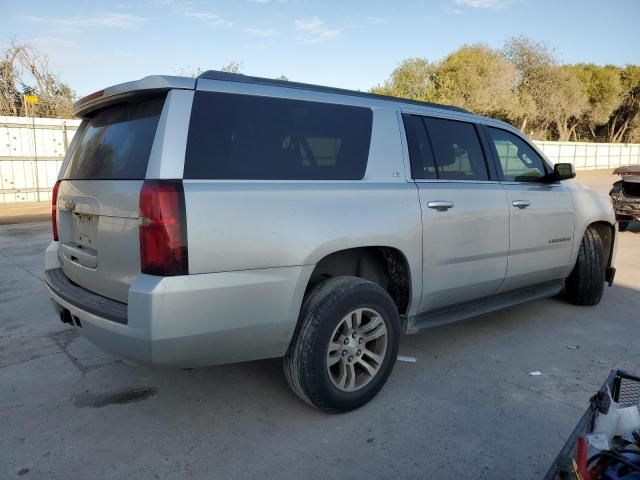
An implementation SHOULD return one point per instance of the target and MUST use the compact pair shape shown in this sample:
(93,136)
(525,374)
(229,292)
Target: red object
(581,459)
(91,96)
(54,207)
(163,228)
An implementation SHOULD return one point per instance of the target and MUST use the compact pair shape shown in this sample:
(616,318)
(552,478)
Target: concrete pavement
(466,408)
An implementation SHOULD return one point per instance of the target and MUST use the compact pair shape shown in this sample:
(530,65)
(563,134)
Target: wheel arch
(607,233)
(346,261)
(382,264)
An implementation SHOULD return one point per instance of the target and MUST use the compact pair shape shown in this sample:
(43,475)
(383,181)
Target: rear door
(541,215)
(98,196)
(464,212)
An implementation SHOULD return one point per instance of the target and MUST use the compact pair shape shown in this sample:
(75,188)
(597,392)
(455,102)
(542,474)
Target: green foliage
(524,84)
(479,79)
(603,87)
(414,78)
(624,124)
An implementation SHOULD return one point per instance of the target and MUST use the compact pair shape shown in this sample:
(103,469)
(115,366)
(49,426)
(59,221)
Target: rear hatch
(98,196)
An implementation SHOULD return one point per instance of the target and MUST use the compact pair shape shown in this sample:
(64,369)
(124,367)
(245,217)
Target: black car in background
(626,195)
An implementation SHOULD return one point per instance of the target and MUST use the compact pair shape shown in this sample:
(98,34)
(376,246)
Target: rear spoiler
(150,84)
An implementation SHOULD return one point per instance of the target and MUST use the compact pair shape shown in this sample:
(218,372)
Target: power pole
(32,99)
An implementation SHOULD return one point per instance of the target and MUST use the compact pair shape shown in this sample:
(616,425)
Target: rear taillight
(163,228)
(54,206)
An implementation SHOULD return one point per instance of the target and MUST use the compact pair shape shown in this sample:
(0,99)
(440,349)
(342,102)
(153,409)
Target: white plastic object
(607,424)
(628,420)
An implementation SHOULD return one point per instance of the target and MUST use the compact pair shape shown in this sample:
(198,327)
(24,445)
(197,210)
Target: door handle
(521,203)
(440,205)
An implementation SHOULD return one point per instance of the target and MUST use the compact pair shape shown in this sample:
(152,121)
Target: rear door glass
(247,137)
(114,143)
(457,150)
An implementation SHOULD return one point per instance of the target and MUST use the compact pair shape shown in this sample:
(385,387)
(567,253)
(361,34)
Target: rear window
(248,137)
(115,142)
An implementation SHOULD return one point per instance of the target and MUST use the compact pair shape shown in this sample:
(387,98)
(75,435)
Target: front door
(541,215)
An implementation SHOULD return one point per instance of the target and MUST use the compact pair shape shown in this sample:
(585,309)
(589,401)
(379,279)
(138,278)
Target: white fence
(588,156)
(32,150)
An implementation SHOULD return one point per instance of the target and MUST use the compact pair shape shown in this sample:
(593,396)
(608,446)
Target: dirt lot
(467,407)
(24,212)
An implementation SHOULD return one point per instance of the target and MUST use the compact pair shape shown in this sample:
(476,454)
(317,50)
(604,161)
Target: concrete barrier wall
(32,150)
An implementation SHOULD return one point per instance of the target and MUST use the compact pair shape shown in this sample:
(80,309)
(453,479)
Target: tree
(604,91)
(625,121)
(414,78)
(531,60)
(10,98)
(232,67)
(565,102)
(23,69)
(551,98)
(527,56)
(479,79)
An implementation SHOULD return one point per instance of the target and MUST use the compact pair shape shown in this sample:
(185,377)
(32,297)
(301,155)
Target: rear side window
(456,149)
(248,137)
(115,142)
(420,154)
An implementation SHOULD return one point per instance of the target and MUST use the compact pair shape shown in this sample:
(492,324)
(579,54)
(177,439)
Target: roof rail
(238,77)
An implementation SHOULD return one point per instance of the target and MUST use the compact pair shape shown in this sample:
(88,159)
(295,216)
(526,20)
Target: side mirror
(563,171)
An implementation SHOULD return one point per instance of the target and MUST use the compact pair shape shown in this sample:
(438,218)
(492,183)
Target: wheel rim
(357,349)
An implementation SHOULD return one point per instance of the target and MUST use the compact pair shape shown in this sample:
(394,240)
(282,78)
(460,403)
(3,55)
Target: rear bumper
(121,340)
(82,299)
(192,320)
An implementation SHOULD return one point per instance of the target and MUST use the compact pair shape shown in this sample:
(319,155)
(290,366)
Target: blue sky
(350,44)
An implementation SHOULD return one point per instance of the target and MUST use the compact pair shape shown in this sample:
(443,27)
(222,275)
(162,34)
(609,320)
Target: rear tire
(345,346)
(623,225)
(586,283)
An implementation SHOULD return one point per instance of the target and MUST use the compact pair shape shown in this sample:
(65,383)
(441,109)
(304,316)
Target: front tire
(586,283)
(345,346)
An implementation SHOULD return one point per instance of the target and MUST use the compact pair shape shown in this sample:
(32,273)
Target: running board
(483,306)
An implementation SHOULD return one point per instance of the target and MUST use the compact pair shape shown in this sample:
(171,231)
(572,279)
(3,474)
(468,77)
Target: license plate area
(81,249)
(86,230)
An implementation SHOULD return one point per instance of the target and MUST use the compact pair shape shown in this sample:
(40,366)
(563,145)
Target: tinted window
(115,142)
(420,153)
(249,137)
(519,162)
(457,150)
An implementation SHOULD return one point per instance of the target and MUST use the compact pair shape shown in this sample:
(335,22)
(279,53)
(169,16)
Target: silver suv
(231,218)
